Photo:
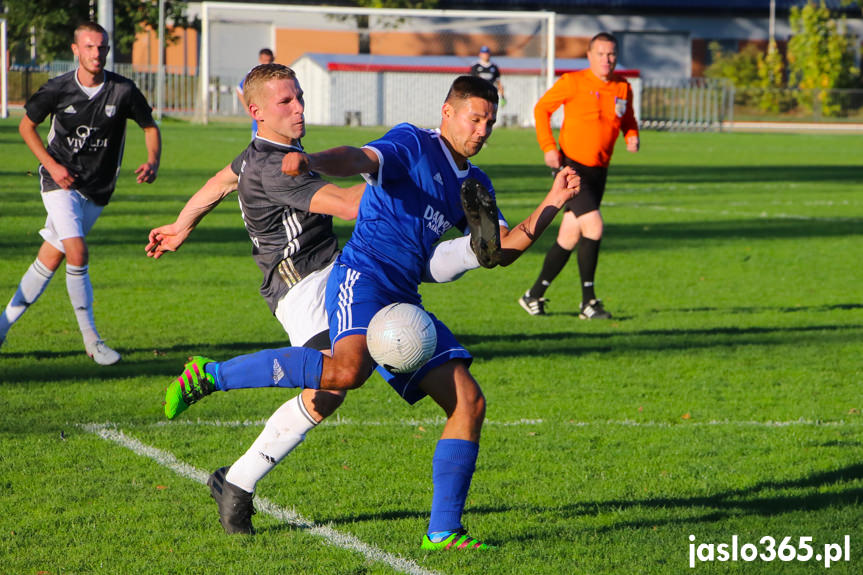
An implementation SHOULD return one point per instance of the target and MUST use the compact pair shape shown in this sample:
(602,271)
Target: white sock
(450,260)
(285,430)
(33,283)
(81,295)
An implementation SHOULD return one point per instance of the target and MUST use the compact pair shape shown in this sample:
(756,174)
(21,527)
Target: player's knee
(478,408)
(342,377)
(325,402)
(472,406)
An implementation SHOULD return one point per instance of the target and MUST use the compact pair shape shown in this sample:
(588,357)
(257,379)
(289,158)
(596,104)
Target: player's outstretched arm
(169,238)
(147,171)
(336,201)
(342,162)
(515,241)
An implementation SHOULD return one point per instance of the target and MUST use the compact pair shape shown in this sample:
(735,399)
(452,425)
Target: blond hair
(257,78)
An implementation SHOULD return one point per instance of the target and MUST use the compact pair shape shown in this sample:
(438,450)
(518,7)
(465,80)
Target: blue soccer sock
(285,367)
(452,470)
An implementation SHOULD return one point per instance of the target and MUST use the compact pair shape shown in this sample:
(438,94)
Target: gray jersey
(288,242)
(88,134)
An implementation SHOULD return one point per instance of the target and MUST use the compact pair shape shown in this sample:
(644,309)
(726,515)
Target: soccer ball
(401,337)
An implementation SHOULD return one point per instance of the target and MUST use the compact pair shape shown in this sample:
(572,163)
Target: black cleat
(532,305)
(481,212)
(593,310)
(235,504)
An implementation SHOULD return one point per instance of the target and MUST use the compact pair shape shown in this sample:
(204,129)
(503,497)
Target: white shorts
(303,311)
(70,215)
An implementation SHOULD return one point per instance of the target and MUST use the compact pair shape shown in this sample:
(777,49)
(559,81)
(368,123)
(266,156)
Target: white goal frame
(4,72)
(206,7)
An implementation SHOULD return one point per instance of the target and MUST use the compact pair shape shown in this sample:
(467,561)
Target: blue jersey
(407,206)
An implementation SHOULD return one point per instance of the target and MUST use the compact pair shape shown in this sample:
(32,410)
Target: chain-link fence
(181,88)
(684,104)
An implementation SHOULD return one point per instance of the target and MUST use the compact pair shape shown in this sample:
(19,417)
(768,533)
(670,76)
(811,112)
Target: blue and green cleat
(455,541)
(193,384)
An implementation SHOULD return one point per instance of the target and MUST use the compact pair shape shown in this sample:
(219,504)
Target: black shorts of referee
(592,187)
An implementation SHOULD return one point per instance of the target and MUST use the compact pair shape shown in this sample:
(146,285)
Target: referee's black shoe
(593,310)
(481,211)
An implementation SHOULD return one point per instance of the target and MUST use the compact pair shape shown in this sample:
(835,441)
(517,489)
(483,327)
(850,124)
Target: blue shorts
(353,299)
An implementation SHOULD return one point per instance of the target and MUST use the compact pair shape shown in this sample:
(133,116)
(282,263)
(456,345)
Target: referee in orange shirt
(597,105)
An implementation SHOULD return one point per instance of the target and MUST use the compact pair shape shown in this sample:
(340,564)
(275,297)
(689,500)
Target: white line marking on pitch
(339,421)
(330,535)
(760,215)
(345,421)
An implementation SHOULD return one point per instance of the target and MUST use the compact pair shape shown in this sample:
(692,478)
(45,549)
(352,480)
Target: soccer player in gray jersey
(89,108)
(289,220)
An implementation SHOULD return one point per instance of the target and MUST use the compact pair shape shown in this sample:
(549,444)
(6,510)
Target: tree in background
(771,76)
(54,21)
(741,68)
(819,59)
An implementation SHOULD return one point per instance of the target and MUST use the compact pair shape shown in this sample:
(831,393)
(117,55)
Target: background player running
(89,108)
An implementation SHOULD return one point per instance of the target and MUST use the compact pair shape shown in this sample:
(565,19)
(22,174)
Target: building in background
(661,38)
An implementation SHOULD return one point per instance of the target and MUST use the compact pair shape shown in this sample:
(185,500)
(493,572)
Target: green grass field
(722,400)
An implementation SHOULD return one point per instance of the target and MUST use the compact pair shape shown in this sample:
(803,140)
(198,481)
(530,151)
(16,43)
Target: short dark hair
(266,52)
(602,37)
(465,87)
(89,27)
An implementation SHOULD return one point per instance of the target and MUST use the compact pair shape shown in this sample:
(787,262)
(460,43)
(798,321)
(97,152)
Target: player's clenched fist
(567,183)
(295,163)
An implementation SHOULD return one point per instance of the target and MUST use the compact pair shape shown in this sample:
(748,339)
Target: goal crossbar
(208,9)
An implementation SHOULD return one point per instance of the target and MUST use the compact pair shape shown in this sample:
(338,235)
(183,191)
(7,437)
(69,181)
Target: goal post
(4,72)
(232,34)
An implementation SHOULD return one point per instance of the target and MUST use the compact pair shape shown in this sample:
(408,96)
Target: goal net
(374,66)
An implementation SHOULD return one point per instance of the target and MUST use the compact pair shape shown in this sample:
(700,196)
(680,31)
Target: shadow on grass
(168,361)
(764,499)
(572,342)
(620,237)
(622,174)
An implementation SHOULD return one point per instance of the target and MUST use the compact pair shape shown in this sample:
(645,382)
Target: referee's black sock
(555,260)
(588,256)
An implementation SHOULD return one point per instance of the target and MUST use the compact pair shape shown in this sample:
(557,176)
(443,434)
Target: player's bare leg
(453,388)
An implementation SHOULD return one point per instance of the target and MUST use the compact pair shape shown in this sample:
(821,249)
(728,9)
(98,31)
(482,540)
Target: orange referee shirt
(594,112)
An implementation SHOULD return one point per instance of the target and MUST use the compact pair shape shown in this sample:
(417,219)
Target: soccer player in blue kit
(415,193)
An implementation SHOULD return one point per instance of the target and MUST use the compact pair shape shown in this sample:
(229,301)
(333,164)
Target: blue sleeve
(398,150)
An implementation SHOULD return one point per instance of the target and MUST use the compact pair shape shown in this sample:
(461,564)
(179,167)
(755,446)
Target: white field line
(345,421)
(328,534)
(734,213)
